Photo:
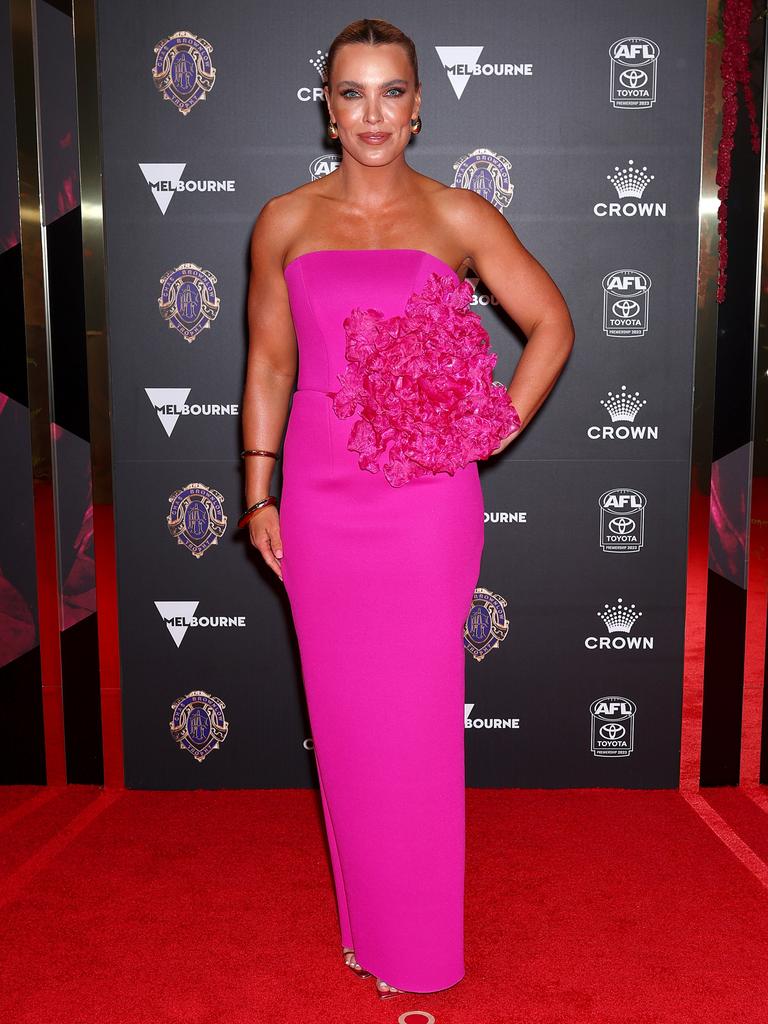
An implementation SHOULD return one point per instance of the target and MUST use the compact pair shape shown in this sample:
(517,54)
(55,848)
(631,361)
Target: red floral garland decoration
(734,70)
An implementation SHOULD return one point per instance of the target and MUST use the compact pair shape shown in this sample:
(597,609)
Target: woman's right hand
(264,531)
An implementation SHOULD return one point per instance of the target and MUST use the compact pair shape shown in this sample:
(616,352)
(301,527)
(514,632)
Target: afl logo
(486,624)
(625,303)
(196,518)
(613,726)
(622,524)
(183,72)
(198,724)
(633,72)
(323,165)
(188,300)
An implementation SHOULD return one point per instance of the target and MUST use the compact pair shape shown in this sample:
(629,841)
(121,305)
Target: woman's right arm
(270,371)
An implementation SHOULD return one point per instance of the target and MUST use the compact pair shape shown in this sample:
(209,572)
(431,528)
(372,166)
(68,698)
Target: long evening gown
(380,581)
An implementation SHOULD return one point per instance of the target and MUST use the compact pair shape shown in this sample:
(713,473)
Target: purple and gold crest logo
(183,72)
(196,518)
(198,724)
(486,624)
(488,173)
(188,300)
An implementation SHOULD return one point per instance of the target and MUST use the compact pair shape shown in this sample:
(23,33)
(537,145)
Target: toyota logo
(621,524)
(633,78)
(612,731)
(626,308)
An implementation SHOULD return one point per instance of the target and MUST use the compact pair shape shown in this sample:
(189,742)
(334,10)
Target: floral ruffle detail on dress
(424,382)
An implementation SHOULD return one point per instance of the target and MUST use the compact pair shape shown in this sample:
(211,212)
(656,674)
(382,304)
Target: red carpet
(646,907)
(592,905)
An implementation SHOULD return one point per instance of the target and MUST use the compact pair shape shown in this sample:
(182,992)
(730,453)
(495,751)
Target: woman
(365,267)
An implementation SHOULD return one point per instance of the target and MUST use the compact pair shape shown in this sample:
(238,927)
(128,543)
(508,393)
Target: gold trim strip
(37,329)
(88,94)
(703,404)
(99,397)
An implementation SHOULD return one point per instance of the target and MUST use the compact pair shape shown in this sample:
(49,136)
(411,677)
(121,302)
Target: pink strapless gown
(380,581)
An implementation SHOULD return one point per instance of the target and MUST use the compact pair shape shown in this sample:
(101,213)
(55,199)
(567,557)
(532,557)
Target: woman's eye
(349,93)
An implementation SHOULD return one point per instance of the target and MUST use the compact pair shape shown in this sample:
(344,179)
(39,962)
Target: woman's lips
(374,138)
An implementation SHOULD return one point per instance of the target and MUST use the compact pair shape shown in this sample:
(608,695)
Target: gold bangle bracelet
(258,451)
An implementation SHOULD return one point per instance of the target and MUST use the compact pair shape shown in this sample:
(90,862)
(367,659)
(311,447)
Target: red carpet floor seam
(15,882)
(21,810)
(759,796)
(728,835)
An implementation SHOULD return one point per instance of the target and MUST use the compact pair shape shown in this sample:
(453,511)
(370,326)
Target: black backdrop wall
(583,125)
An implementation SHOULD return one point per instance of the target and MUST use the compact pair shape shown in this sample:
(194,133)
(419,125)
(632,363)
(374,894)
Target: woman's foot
(349,959)
(386,991)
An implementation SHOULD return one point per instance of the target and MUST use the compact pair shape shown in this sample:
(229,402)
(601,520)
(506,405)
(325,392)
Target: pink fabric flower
(424,382)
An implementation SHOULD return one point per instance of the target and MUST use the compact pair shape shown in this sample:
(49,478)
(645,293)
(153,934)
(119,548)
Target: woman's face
(372,99)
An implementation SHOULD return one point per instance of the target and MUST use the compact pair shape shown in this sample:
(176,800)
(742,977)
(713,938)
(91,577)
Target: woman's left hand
(506,442)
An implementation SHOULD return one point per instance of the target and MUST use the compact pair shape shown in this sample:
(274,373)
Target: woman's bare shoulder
(456,215)
(283,217)
(459,205)
(470,217)
(281,209)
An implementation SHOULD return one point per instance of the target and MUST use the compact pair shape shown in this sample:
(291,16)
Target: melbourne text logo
(462,63)
(165,180)
(179,616)
(171,403)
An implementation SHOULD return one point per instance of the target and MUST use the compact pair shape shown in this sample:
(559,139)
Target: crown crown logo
(320,63)
(630,181)
(623,406)
(619,618)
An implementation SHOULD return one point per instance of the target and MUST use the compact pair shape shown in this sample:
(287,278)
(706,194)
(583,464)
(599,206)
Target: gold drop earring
(416,125)
(333,131)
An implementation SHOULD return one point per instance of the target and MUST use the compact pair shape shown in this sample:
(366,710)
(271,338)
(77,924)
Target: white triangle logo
(467,711)
(167,403)
(162,180)
(457,57)
(177,616)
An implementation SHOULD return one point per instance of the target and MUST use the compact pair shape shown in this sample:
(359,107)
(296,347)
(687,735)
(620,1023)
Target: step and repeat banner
(582,124)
